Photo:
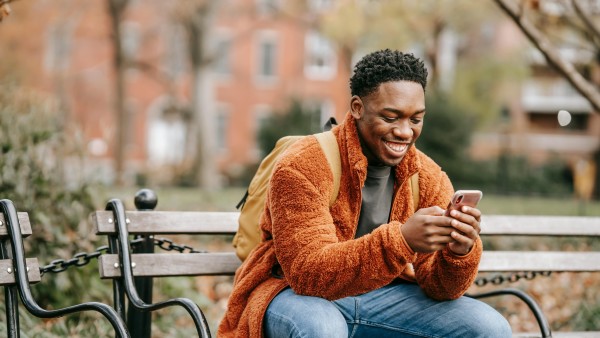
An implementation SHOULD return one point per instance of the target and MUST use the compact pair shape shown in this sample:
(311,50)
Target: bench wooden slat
(23,222)
(196,222)
(9,278)
(540,225)
(162,265)
(511,261)
(169,222)
(176,264)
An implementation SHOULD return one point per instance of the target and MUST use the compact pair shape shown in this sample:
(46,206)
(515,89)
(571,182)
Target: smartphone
(464,197)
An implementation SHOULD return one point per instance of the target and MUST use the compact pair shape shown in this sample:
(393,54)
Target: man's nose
(402,129)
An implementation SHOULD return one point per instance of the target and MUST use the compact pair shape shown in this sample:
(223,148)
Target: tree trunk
(201,143)
(116,9)
(204,168)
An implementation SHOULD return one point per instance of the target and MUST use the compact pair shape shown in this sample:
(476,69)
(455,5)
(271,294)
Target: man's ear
(356,107)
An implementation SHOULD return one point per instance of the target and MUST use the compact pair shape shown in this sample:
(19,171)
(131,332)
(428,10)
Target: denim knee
(290,315)
(491,324)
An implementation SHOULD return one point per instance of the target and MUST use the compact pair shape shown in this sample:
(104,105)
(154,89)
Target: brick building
(267,55)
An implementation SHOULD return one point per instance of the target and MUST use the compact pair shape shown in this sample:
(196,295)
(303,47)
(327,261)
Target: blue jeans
(396,310)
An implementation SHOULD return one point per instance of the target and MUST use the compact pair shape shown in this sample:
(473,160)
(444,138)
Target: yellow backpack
(253,202)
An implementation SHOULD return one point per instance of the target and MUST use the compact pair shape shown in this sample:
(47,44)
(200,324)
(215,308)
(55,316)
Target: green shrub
(33,150)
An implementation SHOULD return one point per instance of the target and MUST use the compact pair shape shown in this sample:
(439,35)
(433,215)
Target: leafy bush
(446,136)
(33,151)
(296,120)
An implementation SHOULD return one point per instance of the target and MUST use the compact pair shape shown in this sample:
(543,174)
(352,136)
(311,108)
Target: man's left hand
(466,225)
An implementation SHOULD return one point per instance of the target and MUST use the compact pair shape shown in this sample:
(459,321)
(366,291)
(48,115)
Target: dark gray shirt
(377,197)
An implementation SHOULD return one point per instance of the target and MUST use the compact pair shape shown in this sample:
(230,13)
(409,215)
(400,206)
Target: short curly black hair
(384,66)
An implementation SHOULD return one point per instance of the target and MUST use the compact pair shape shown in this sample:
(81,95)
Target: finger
(476,213)
(466,219)
(462,240)
(433,211)
(469,230)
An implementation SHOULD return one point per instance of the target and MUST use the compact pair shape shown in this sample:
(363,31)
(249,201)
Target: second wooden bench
(144,225)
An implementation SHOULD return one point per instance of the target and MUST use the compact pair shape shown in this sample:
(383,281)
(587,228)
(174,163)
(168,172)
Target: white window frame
(267,37)
(223,37)
(222,123)
(317,47)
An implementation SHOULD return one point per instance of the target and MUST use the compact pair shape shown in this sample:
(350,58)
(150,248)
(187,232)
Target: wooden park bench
(145,224)
(17,272)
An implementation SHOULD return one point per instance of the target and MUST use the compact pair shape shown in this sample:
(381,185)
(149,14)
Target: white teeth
(398,147)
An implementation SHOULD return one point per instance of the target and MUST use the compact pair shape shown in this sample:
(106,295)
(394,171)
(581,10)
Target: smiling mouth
(396,147)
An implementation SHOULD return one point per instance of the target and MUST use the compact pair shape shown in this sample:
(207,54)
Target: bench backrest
(197,222)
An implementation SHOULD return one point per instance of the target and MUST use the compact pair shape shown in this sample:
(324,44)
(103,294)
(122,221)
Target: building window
(223,56)
(320,6)
(222,121)
(320,61)
(130,38)
(58,50)
(267,7)
(167,130)
(176,51)
(267,57)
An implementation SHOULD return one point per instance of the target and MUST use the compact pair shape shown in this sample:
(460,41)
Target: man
(369,266)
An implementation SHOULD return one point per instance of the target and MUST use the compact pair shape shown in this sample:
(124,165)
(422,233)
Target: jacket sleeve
(442,274)
(314,261)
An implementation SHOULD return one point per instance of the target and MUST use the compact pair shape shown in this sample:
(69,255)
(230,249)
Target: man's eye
(390,119)
(416,120)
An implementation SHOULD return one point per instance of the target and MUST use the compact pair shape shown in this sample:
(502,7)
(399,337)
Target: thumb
(432,211)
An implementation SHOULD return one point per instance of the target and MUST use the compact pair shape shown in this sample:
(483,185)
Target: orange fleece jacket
(315,245)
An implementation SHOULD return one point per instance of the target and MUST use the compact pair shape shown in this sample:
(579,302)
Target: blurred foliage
(482,86)
(446,134)
(34,177)
(296,120)
(398,24)
(33,153)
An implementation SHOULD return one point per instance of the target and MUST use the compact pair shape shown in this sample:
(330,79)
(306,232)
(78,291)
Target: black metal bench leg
(12,312)
(140,322)
(11,299)
(527,299)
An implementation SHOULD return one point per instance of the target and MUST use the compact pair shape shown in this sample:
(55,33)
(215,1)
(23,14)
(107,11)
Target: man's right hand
(428,230)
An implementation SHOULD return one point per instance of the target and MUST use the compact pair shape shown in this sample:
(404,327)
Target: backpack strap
(414,187)
(332,153)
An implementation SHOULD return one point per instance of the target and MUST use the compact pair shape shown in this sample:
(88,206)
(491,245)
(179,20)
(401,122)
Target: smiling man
(370,265)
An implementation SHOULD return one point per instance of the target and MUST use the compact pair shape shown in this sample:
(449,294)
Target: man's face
(389,120)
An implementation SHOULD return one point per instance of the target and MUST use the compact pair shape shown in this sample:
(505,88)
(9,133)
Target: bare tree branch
(550,52)
(586,19)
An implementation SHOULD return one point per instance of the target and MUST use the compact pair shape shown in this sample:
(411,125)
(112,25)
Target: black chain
(168,245)
(80,259)
(510,278)
(84,258)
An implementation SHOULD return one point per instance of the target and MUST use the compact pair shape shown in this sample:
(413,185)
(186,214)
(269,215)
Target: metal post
(11,299)
(139,322)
